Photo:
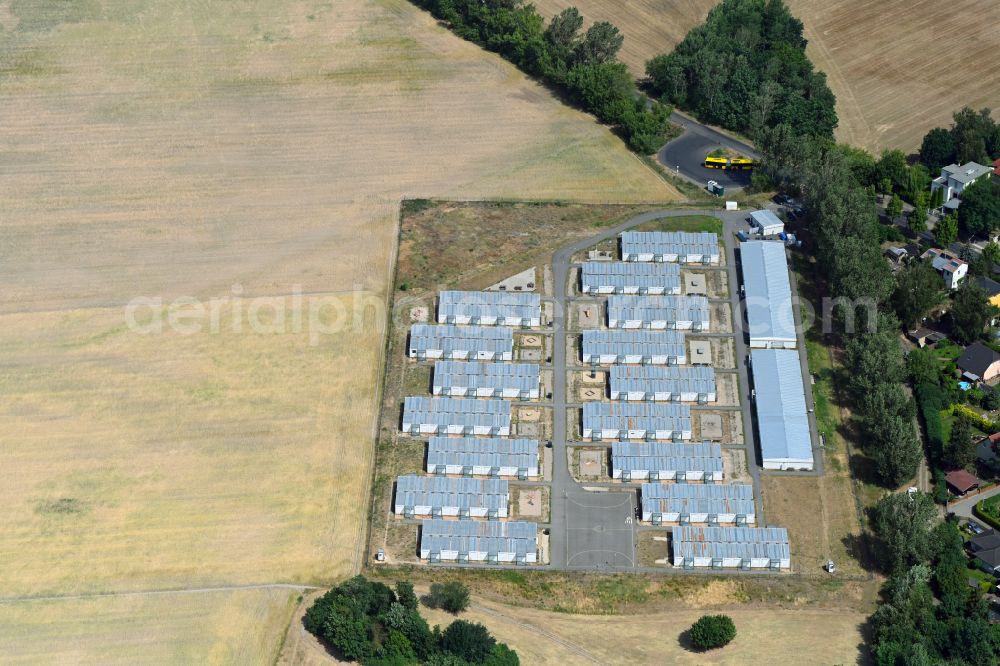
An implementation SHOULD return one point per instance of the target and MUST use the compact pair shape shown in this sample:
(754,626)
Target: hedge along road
(685,155)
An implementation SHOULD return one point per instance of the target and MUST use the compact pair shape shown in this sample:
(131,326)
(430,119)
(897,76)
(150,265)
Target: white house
(423,415)
(955,178)
(650,383)
(440,496)
(633,347)
(685,313)
(483,343)
(490,308)
(672,246)
(731,548)
(636,420)
(951,269)
(486,380)
(630,277)
(477,456)
(686,503)
(667,461)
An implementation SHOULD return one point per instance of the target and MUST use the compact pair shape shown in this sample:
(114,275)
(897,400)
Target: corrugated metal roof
(730,542)
(667,463)
(456,411)
(475,374)
(636,416)
(483,451)
(659,308)
(780,404)
(662,379)
(447,337)
(670,242)
(515,529)
(630,275)
(443,491)
(732,534)
(766,218)
(668,449)
(688,498)
(466,536)
(740,491)
(745,551)
(633,343)
(518,305)
(768,291)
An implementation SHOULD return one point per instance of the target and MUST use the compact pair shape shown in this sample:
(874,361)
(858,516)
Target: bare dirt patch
(529,503)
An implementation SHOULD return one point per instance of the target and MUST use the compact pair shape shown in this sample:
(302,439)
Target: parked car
(976,528)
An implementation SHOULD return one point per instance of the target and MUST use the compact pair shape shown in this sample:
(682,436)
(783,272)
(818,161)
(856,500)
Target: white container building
(469,541)
(481,343)
(780,404)
(519,381)
(441,496)
(423,415)
(685,313)
(634,347)
(647,383)
(768,293)
(629,277)
(671,246)
(477,456)
(490,308)
(686,503)
(731,548)
(644,421)
(653,461)
(766,223)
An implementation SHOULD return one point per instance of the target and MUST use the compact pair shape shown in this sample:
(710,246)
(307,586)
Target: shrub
(712,631)
(452,596)
(470,641)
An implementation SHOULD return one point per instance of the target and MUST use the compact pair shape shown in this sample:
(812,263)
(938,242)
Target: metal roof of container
(515,529)
(765,218)
(670,242)
(437,543)
(732,534)
(476,374)
(668,463)
(658,308)
(662,379)
(461,492)
(780,403)
(636,416)
(456,411)
(741,550)
(635,343)
(740,491)
(483,451)
(666,449)
(447,337)
(768,291)
(519,305)
(630,274)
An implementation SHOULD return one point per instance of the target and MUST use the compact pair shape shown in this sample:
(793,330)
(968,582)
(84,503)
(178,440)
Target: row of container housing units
(744,548)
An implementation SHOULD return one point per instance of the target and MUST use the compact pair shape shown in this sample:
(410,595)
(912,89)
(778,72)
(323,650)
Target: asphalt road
(684,155)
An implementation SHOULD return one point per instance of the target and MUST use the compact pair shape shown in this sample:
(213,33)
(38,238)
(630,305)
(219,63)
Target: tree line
(582,66)
(928,614)
(369,622)
(746,69)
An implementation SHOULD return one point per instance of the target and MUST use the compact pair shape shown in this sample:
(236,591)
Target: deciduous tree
(903,523)
(712,631)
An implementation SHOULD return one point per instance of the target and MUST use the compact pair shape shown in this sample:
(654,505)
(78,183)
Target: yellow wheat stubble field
(176,149)
(898,68)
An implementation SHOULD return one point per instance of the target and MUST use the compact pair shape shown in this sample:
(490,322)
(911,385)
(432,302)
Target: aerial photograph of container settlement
(460,332)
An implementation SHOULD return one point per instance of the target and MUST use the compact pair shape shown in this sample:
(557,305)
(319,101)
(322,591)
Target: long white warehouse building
(634,347)
(662,383)
(486,380)
(670,246)
(492,542)
(482,343)
(687,503)
(423,415)
(624,277)
(654,461)
(731,547)
(624,420)
(780,404)
(490,308)
(479,456)
(686,313)
(439,496)
(768,294)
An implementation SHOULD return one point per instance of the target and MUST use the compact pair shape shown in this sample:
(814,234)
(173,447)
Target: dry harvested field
(226,627)
(892,64)
(167,149)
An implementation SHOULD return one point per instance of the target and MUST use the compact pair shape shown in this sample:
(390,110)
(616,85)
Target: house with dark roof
(985,548)
(960,482)
(926,336)
(979,363)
